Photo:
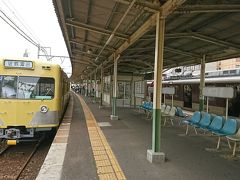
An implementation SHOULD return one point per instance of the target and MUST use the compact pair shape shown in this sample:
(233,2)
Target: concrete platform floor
(130,137)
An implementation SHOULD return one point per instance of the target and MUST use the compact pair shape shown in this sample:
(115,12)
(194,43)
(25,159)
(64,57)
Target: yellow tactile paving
(109,176)
(99,148)
(106,162)
(97,153)
(101,157)
(105,169)
(103,163)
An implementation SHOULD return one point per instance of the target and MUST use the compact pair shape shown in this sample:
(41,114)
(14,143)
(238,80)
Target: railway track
(16,158)
(3,149)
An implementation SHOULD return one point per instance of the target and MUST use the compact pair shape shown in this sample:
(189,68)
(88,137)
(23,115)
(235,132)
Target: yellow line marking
(107,165)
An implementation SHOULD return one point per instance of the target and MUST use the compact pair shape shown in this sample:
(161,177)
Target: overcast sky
(40,19)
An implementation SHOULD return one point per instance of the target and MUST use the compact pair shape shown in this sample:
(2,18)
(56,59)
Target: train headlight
(44,109)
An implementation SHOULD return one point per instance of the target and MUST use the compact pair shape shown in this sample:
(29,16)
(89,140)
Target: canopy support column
(90,86)
(202,83)
(95,86)
(102,88)
(154,154)
(114,98)
(87,89)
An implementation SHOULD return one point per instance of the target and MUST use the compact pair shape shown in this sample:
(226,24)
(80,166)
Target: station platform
(99,148)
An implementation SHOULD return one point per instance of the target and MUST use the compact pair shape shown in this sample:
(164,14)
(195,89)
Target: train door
(187,96)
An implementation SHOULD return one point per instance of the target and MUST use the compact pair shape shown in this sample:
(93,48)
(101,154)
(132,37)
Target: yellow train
(33,97)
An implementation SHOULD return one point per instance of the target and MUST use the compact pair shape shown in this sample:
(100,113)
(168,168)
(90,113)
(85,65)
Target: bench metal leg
(229,145)
(165,119)
(171,121)
(195,130)
(180,121)
(187,130)
(218,144)
(234,149)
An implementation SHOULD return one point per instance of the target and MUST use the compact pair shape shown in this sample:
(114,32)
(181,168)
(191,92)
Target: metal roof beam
(184,53)
(165,9)
(132,65)
(204,38)
(137,56)
(170,6)
(210,8)
(142,49)
(91,55)
(87,43)
(151,7)
(186,9)
(216,41)
(151,22)
(89,10)
(82,62)
(76,24)
(137,62)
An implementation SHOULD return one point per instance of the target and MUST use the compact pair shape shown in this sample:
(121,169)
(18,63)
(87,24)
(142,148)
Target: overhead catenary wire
(19,18)
(21,32)
(16,26)
(18,31)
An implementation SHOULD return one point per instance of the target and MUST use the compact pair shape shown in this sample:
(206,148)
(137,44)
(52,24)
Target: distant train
(196,74)
(33,97)
(187,91)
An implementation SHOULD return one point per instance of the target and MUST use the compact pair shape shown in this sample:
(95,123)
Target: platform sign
(220,92)
(168,90)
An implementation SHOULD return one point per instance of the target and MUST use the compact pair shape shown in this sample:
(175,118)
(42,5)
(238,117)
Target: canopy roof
(193,28)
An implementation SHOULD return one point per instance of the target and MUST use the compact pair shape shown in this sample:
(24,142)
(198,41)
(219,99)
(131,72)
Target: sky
(38,20)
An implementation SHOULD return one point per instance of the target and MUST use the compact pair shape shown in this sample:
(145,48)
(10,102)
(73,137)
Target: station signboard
(220,92)
(168,90)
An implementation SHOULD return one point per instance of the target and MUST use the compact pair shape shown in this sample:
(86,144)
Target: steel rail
(29,158)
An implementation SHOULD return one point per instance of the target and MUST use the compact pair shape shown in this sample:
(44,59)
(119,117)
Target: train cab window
(35,88)
(14,87)
(8,86)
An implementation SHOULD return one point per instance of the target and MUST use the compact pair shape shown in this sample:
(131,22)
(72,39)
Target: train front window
(8,87)
(13,87)
(35,88)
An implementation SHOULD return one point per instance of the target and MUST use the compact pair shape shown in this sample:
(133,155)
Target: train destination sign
(220,92)
(18,64)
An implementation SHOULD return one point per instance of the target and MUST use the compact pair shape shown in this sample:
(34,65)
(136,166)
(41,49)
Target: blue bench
(217,125)
(229,128)
(179,113)
(147,107)
(235,138)
(194,119)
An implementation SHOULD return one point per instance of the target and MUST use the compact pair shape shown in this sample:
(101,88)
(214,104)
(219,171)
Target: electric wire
(18,31)
(33,40)
(15,13)
(16,26)
(23,34)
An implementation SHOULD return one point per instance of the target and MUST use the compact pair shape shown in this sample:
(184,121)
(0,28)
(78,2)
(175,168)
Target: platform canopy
(193,28)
